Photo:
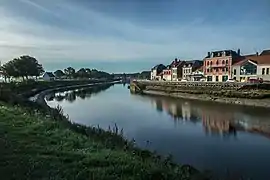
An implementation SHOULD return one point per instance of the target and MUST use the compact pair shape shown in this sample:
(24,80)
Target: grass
(42,144)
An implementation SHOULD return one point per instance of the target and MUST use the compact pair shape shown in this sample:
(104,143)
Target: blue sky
(129,35)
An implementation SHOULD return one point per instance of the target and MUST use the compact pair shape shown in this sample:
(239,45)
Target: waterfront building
(167,73)
(189,69)
(48,76)
(156,72)
(217,65)
(252,66)
(176,66)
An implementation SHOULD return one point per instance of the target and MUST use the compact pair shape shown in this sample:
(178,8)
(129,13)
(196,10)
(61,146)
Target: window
(217,62)
(207,63)
(223,62)
(209,78)
(208,70)
(227,61)
(224,78)
(263,71)
(267,71)
(234,72)
(210,63)
(217,78)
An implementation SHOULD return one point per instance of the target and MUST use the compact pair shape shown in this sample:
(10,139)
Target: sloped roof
(243,61)
(156,66)
(261,59)
(50,74)
(265,52)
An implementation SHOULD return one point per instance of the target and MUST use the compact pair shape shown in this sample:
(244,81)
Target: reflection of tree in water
(83,93)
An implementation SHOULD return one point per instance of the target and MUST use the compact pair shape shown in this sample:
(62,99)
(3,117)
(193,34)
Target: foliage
(59,73)
(23,66)
(69,72)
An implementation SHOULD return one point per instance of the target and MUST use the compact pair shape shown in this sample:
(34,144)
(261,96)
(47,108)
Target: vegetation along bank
(39,142)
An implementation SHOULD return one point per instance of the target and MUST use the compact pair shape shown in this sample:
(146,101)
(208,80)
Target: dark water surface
(207,135)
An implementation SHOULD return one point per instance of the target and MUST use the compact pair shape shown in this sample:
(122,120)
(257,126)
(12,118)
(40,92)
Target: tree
(23,66)
(59,73)
(88,71)
(82,73)
(70,72)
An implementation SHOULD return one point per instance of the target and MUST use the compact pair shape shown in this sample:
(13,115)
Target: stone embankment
(231,93)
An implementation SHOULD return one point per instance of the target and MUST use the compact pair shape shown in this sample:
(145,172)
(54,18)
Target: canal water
(225,139)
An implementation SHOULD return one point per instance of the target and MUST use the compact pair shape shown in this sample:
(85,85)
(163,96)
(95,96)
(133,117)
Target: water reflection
(71,95)
(221,120)
(212,136)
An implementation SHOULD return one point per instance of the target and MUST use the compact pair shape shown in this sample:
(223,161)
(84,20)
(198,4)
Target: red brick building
(217,65)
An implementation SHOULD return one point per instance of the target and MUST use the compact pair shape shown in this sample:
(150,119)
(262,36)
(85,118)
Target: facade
(197,75)
(253,66)
(244,70)
(263,66)
(217,65)
(155,71)
(48,76)
(167,73)
(176,66)
(189,67)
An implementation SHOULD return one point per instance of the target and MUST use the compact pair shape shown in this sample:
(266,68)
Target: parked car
(231,80)
(255,80)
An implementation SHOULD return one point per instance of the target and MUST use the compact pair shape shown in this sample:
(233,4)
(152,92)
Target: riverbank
(239,94)
(204,97)
(41,143)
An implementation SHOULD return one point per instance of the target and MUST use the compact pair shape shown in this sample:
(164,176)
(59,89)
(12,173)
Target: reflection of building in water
(217,123)
(159,105)
(186,111)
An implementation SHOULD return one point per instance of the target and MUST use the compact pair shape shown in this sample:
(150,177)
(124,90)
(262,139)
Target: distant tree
(88,71)
(82,73)
(59,73)
(70,72)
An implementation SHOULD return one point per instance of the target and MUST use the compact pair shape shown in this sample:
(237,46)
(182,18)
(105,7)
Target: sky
(129,35)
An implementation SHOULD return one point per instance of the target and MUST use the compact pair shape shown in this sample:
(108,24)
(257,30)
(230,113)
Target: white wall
(153,74)
(259,72)
(174,74)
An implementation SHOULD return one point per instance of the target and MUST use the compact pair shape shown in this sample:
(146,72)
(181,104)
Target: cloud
(69,31)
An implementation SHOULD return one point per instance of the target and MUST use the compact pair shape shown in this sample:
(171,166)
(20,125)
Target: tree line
(83,73)
(26,66)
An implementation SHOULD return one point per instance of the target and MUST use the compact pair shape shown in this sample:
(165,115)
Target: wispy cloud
(68,31)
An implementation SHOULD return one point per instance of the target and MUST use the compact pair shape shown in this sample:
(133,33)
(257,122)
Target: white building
(156,72)
(167,73)
(48,76)
(189,68)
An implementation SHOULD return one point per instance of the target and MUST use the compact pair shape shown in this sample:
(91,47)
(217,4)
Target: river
(210,136)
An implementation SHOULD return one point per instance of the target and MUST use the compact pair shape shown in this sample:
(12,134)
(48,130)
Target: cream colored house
(255,66)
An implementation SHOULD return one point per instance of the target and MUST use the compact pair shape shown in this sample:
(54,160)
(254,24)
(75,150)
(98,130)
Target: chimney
(175,60)
(238,52)
(208,54)
(257,54)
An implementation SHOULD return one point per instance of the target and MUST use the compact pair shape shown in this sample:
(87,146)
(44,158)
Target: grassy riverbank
(35,146)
